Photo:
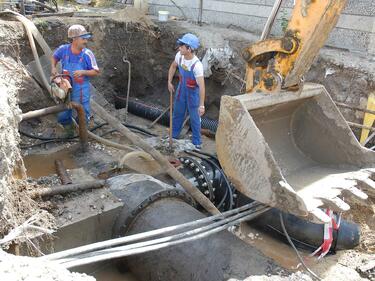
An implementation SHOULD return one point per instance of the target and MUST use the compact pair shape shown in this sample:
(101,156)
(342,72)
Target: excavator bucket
(293,151)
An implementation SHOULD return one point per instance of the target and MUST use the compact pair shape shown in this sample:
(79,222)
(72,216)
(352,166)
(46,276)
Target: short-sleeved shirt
(187,64)
(89,61)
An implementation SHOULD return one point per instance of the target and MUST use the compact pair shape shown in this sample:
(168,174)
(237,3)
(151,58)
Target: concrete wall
(355,30)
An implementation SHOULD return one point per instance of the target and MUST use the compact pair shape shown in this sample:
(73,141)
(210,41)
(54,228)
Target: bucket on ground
(163,15)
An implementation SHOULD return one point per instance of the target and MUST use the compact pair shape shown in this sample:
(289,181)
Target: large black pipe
(149,205)
(151,113)
(308,235)
(305,234)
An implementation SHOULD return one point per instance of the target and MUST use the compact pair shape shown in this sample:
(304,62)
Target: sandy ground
(14,268)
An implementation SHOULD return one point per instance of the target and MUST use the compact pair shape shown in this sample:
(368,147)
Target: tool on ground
(285,143)
(158,118)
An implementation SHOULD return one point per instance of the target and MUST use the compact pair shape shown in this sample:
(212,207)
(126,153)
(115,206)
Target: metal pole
(271,19)
(200,18)
(158,118)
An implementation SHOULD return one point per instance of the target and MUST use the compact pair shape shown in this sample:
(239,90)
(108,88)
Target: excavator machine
(285,143)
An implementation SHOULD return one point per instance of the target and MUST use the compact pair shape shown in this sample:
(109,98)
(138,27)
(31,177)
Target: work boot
(69,131)
(198,146)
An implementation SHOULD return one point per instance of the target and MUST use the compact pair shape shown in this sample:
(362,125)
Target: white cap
(78,30)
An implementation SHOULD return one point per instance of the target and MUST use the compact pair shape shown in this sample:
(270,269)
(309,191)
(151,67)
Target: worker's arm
(90,73)
(202,94)
(171,72)
(92,68)
(53,66)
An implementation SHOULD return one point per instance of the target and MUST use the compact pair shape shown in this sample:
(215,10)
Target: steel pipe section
(150,204)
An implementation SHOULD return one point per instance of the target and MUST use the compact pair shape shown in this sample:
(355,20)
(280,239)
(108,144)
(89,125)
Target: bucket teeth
(371,172)
(336,204)
(367,184)
(318,216)
(354,192)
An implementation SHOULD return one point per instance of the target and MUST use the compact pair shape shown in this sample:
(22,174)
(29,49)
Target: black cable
(45,142)
(229,187)
(130,126)
(133,130)
(295,249)
(305,245)
(31,136)
(224,197)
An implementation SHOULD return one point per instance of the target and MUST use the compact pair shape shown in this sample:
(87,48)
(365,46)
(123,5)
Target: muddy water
(39,165)
(110,273)
(280,252)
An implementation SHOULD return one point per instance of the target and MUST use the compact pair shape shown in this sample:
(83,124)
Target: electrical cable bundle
(119,247)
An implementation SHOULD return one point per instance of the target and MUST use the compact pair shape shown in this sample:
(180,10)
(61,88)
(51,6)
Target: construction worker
(190,93)
(79,64)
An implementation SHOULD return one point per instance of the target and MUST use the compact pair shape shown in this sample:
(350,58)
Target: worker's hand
(201,110)
(53,73)
(171,88)
(79,73)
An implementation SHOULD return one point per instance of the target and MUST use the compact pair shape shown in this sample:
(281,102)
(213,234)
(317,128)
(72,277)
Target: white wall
(355,29)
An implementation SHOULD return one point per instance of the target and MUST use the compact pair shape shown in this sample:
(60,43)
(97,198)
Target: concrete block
(360,7)
(349,39)
(286,3)
(252,24)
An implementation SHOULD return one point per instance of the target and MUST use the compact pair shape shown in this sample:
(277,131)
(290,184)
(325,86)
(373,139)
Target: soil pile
(364,215)
(24,268)
(132,15)
(15,204)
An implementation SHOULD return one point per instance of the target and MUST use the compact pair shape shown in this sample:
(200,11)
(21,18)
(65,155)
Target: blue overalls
(187,97)
(80,87)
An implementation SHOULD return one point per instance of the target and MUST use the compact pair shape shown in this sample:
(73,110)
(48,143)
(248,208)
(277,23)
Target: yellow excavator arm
(280,63)
(293,150)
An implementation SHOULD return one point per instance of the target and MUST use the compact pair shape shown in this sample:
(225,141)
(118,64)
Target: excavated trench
(150,47)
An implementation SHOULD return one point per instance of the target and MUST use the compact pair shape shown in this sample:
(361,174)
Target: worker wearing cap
(80,64)
(190,93)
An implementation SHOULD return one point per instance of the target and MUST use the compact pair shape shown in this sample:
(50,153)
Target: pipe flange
(130,218)
(200,175)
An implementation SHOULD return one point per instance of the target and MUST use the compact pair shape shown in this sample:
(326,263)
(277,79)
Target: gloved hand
(60,88)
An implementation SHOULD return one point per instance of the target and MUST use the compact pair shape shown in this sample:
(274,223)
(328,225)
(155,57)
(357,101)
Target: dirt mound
(15,204)
(132,15)
(364,215)
(24,268)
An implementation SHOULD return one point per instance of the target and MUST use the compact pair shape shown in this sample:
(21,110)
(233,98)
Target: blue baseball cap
(190,40)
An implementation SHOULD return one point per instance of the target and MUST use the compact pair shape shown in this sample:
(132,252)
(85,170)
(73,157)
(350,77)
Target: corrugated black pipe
(151,113)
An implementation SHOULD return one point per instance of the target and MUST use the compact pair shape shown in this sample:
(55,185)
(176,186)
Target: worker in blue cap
(78,63)
(190,93)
